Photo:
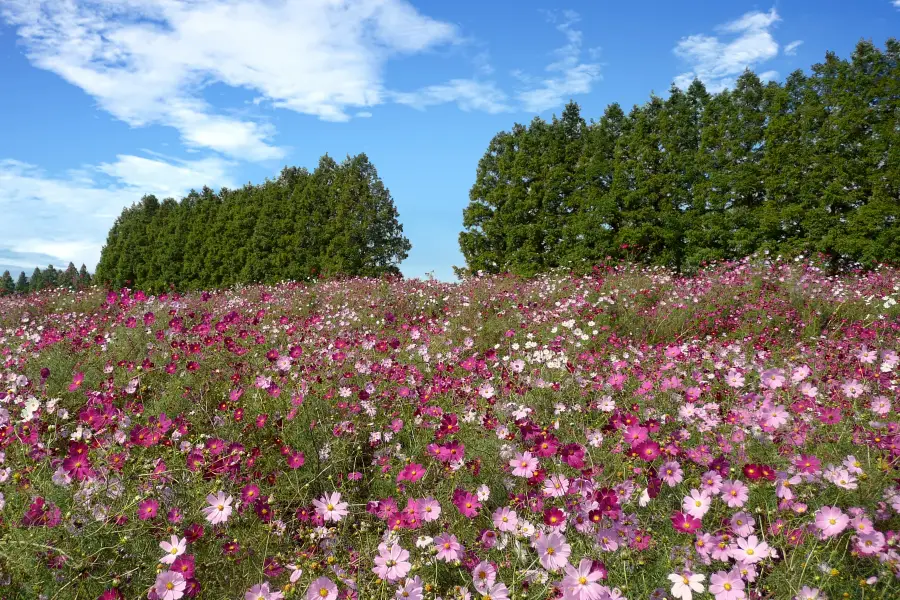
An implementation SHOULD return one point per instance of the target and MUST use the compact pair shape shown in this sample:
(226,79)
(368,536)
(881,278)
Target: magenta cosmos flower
(412,473)
(322,589)
(392,562)
(685,523)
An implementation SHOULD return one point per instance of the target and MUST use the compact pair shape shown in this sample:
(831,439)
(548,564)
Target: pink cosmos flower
(261,591)
(219,508)
(330,507)
(553,551)
(169,585)
(831,521)
(870,543)
(322,589)
(483,577)
(411,590)
(505,519)
(430,509)
(671,473)
(448,547)
(581,583)
(411,472)
(727,586)
(392,562)
(467,503)
(697,504)
(742,523)
(148,509)
(173,549)
(749,550)
(556,486)
(77,380)
(524,465)
(735,493)
(685,523)
(498,591)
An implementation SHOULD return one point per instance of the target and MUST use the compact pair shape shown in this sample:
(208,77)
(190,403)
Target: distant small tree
(36,283)
(7,285)
(84,278)
(22,283)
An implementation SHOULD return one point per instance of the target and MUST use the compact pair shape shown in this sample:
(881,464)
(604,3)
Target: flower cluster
(625,434)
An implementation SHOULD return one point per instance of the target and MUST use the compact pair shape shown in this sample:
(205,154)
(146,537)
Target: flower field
(627,434)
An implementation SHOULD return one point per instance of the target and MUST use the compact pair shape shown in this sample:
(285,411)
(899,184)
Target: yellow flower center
(330,507)
(727,587)
(582,580)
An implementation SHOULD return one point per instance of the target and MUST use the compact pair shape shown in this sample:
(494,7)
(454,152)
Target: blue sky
(105,100)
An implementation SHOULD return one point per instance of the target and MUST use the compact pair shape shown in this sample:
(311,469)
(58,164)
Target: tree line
(811,165)
(339,219)
(48,278)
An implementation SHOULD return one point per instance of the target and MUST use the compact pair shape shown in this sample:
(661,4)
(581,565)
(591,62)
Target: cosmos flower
(685,584)
(173,549)
(331,508)
(219,508)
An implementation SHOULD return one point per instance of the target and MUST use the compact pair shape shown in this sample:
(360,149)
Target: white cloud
(58,219)
(749,43)
(791,49)
(569,75)
(896,3)
(147,61)
(468,94)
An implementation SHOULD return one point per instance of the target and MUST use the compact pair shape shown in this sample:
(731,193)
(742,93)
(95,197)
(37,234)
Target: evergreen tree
(7,284)
(810,165)
(84,278)
(22,283)
(36,282)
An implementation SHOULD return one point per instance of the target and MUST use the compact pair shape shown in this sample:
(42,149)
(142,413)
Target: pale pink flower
(173,549)
(580,583)
(524,465)
(331,508)
(322,589)
(448,547)
(696,504)
(553,551)
(750,550)
(392,562)
(505,519)
(831,521)
(219,508)
(169,585)
(727,586)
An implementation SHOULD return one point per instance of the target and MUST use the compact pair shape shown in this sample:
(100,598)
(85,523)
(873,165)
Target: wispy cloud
(569,75)
(58,219)
(468,94)
(566,76)
(147,61)
(748,42)
(791,49)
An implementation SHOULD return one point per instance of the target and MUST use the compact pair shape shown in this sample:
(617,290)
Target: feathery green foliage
(808,166)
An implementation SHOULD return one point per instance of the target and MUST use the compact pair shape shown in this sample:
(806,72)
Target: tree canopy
(339,219)
(48,278)
(808,165)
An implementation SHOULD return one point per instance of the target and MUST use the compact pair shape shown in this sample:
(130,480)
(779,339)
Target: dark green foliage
(808,166)
(21,283)
(337,220)
(7,284)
